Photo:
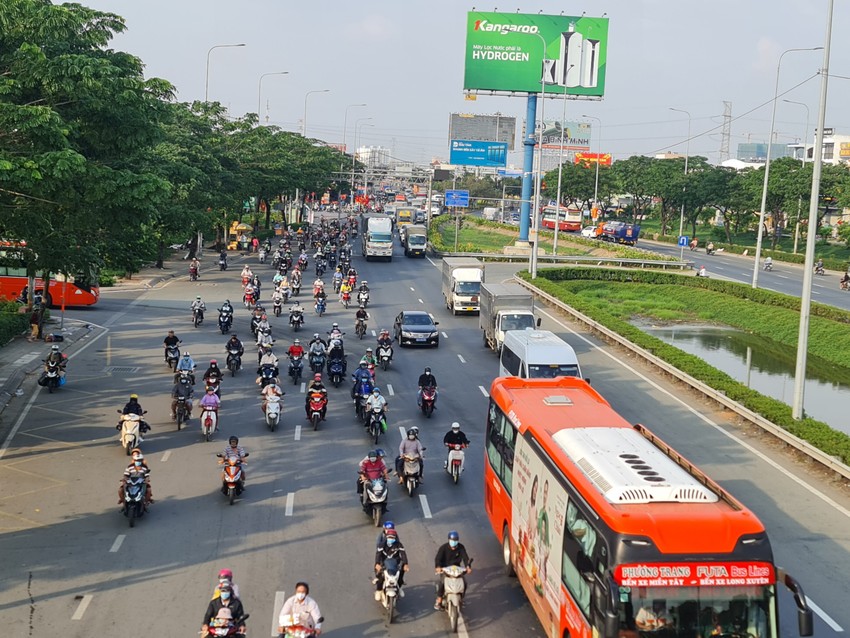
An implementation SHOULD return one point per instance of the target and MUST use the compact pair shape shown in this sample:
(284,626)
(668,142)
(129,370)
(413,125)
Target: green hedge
(12,321)
(815,432)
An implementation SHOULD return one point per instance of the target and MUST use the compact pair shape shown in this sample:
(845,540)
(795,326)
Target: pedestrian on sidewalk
(34,328)
(255,243)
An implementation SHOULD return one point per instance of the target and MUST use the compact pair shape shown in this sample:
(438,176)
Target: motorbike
(320,267)
(234,360)
(317,361)
(844,285)
(332,260)
(346,299)
(276,262)
(454,461)
(255,322)
(231,476)
(273,407)
(385,355)
(296,319)
(389,593)
(302,264)
(363,297)
(277,306)
(377,423)
(131,426)
(222,264)
(184,374)
(318,401)
(768,266)
(411,473)
(352,281)
(361,394)
(245,280)
(374,498)
(296,287)
(262,256)
(227,627)
(135,488)
(360,328)
(819,270)
(193,273)
(292,628)
(429,398)
(267,375)
(197,317)
(710,251)
(296,367)
(336,370)
(209,423)
(51,377)
(172,356)
(454,591)
(214,383)
(321,306)
(248,299)
(181,412)
(225,321)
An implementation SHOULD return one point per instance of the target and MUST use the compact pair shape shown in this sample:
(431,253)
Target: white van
(537,354)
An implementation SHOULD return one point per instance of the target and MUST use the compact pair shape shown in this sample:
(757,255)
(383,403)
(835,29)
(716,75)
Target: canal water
(767,367)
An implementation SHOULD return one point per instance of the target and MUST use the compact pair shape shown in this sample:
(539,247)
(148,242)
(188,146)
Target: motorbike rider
(302,609)
(56,356)
(364,286)
(186,364)
(138,467)
(376,401)
(225,576)
(278,296)
(255,281)
(296,350)
(844,282)
(709,249)
(198,305)
(226,603)
(410,446)
(268,359)
(768,263)
(360,375)
(170,341)
(247,274)
(318,285)
(263,323)
(451,553)
(337,277)
(195,266)
(226,308)
(316,341)
(271,389)
(361,315)
(391,549)
(316,385)
(387,526)
(234,344)
(335,332)
(344,289)
(295,308)
(370,468)
(369,358)
(819,266)
(133,406)
(453,437)
(213,373)
(385,340)
(185,390)
(426,380)
(210,401)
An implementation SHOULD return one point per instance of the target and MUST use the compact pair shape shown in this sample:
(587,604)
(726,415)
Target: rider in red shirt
(296,350)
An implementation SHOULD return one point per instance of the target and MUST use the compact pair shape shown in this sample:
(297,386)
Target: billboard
(576,135)
(477,153)
(505,54)
(590,159)
(485,128)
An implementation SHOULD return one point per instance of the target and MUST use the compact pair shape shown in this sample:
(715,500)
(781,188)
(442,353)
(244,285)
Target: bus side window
(577,563)
(501,443)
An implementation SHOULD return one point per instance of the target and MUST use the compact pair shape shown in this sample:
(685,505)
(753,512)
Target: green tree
(631,176)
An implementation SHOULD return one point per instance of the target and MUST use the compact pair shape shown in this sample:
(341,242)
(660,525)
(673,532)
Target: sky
(404,59)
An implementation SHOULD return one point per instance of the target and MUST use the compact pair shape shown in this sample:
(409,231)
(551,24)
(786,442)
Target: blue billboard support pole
(528,167)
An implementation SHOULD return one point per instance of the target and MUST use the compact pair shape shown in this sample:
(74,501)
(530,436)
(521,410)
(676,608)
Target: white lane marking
(783,277)
(303,386)
(426,510)
(484,391)
(297,432)
(290,501)
(461,627)
(411,289)
(824,616)
(390,390)
(432,262)
(8,441)
(402,431)
(812,490)
(279,599)
(462,360)
(445,336)
(276,491)
(26,358)
(374,334)
(117,544)
(81,608)
(165,456)
(420,301)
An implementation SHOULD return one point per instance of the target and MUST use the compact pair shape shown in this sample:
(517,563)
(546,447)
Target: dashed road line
(484,391)
(420,301)
(81,608)
(303,386)
(297,432)
(374,334)
(426,510)
(462,360)
(165,456)
(445,336)
(390,390)
(824,616)
(290,502)
(411,289)
(117,544)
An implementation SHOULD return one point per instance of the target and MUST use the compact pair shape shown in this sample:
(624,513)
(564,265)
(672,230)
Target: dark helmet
(454,536)
(233,440)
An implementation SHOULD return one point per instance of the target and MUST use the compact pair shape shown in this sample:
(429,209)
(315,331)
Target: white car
(589,231)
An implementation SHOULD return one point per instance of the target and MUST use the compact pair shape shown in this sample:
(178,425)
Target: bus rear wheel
(506,552)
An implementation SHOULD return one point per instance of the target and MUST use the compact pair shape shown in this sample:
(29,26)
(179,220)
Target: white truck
(415,238)
(462,277)
(377,237)
(504,307)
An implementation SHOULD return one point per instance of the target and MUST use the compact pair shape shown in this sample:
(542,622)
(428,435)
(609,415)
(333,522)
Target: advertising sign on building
(485,128)
(505,54)
(844,150)
(576,135)
(590,159)
(477,153)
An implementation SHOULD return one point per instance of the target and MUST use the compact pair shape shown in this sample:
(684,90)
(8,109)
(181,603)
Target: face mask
(301,595)
(225,595)
(411,436)
(373,459)
(390,541)
(137,463)
(453,544)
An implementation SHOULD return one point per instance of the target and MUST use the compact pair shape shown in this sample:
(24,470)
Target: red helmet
(317,377)
(226,573)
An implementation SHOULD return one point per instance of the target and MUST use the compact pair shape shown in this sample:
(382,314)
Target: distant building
(373,156)
(756,152)
(836,149)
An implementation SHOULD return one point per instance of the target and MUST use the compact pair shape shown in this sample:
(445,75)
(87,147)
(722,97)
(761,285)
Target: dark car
(417,328)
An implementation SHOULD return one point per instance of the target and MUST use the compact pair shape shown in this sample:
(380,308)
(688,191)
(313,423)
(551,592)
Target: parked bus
(570,218)
(614,534)
(81,289)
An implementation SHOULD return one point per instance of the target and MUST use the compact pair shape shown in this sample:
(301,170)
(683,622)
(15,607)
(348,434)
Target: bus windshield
(552,370)
(685,612)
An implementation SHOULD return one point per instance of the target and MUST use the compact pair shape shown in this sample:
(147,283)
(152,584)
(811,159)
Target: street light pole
(814,200)
(354,157)
(598,153)
(800,202)
(207,77)
(560,173)
(767,166)
(685,185)
(260,90)
(535,210)
(345,129)
(304,121)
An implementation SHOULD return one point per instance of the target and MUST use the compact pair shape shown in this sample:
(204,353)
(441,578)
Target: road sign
(457,198)
(478,153)
(683,240)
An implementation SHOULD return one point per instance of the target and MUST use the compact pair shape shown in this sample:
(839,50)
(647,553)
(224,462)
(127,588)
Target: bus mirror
(612,624)
(804,620)
(538,322)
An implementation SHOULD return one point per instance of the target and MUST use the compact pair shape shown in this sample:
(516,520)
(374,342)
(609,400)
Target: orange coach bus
(569,219)
(612,533)
(76,290)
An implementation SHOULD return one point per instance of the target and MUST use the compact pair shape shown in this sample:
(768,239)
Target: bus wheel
(506,552)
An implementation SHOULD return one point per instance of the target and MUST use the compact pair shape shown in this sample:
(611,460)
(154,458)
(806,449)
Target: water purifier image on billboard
(505,53)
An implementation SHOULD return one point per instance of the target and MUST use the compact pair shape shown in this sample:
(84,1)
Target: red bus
(614,534)
(76,290)
(570,219)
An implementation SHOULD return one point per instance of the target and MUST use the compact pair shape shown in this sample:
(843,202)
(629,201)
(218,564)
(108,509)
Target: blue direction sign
(683,240)
(478,153)
(457,198)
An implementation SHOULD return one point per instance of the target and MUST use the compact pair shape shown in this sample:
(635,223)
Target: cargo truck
(415,239)
(462,277)
(504,307)
(377,237)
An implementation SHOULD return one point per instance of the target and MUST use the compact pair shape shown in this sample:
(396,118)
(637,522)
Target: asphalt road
(72,567)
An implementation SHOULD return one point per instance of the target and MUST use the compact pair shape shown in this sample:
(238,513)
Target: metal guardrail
(582,260)
(797,443)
